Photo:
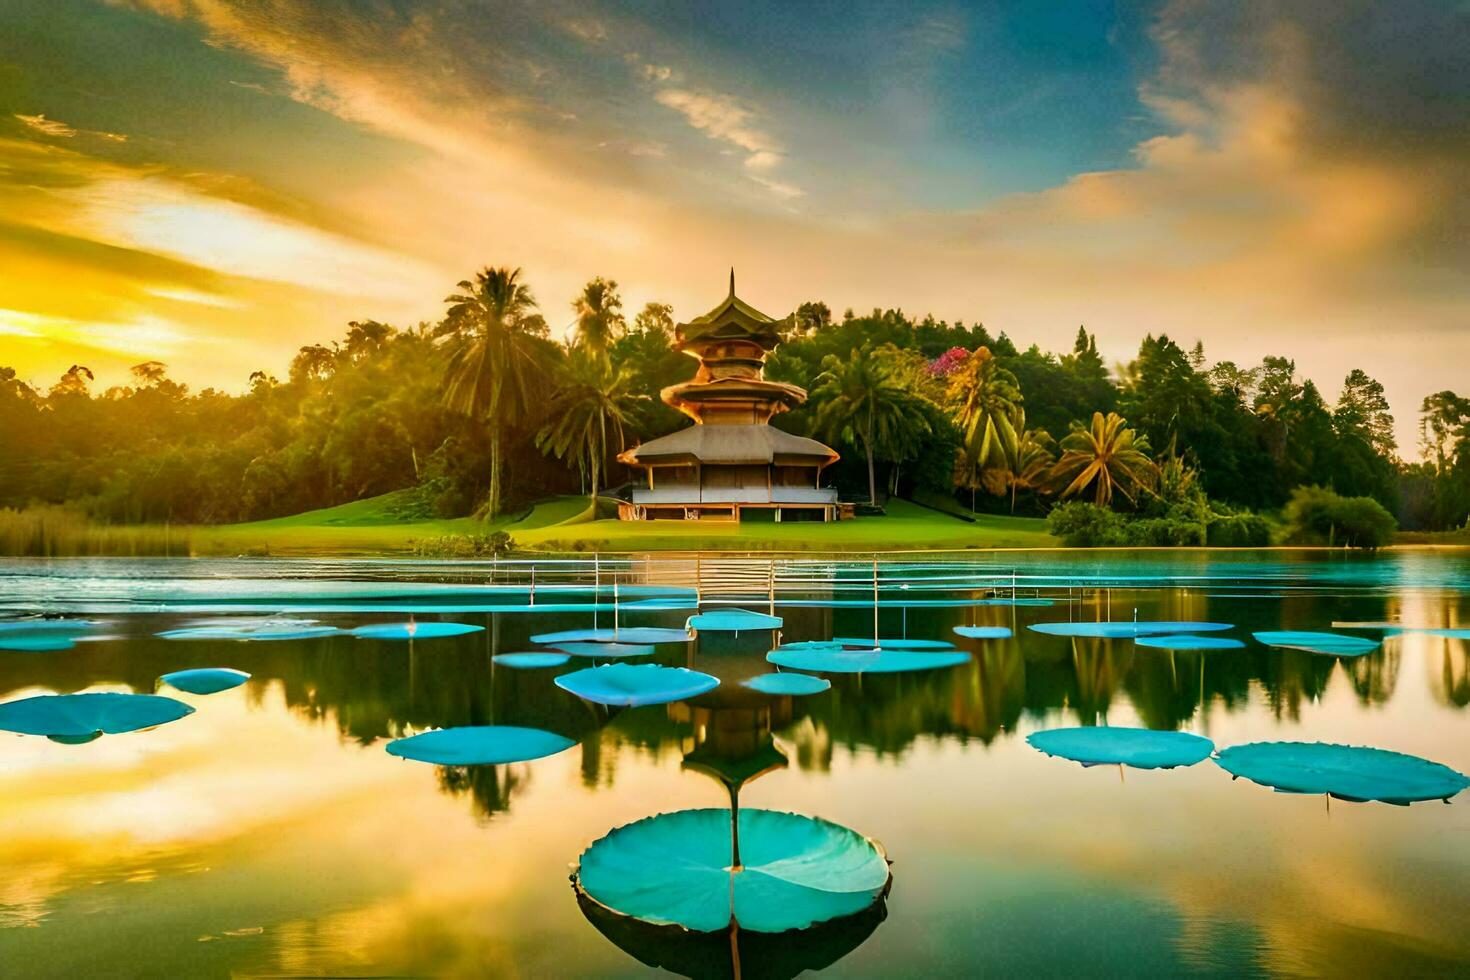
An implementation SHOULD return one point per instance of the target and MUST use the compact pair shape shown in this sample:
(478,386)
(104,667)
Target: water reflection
(275,805)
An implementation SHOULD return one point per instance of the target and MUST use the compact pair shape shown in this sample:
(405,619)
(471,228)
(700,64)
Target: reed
(54,532)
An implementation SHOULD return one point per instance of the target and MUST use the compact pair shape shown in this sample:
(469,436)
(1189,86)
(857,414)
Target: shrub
(1173,531)
(1083,525)
(1318,516)
(1238,531)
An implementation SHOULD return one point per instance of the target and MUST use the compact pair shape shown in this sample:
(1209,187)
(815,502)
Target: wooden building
(731,461)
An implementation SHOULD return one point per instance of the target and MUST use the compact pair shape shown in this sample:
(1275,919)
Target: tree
(811,316)
(600,320)
(1362,410)
(593,407)
(985,400)
(498,359)
(1107,456)
(861,401)
(655,320)
(1031,465)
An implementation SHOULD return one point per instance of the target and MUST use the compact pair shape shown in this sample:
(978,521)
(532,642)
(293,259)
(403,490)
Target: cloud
(55,127)
(723,118)
(47,127)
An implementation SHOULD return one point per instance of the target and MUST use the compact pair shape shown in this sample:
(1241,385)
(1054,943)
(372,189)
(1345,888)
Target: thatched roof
(732,445)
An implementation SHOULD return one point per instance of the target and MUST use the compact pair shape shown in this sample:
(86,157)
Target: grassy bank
(567,524)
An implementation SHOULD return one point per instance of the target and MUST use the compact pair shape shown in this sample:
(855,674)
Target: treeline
(483,412)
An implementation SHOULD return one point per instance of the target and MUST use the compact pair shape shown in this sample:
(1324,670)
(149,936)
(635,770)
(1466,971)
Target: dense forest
(482,412)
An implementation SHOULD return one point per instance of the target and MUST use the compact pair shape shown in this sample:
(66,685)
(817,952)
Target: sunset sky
(214,183)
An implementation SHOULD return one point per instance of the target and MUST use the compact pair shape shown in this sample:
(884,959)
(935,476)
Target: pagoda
(731,461)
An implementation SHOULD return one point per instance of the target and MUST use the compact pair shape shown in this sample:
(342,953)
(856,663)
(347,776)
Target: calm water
(270,834)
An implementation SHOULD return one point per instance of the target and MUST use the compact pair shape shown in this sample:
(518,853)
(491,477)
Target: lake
(271,833)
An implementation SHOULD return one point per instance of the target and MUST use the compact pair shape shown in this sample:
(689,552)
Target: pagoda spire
(732,281)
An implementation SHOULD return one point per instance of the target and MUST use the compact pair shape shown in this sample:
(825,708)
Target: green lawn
(374,526)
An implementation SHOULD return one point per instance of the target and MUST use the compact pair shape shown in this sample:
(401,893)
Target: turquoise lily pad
(1122,629)
(83,717)
(414,631)
(1333,644)
(205,680)
(677,869)
(733,621)
(887,643)
(609,651)
(632,685)
(984,632)
(1189,641)
(1141,748)
(532,661)
(485,745)
(628,634)
(265,630)
(795,685)
(1348,772)
(866,661)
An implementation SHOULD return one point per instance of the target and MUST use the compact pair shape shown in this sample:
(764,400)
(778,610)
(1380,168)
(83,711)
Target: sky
(216,183)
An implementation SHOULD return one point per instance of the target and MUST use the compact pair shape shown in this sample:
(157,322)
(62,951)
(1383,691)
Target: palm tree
(1107,456)
(599,312)
(986,400)
(1030,467)
(498,358)
(592,403)
(860,400)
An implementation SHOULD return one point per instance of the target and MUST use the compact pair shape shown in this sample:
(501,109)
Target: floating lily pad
(866,661)
(414,631)
(75,627)
(1122,629)
(265,630)
(887,643)
(37,642)
(1334,644)
(628,634)
(1141,748)
(1190,642)
(83,717)
(812,645)
(487,745)
(984,632)
(533,660)
(205,680)
(43,635)
(733,621)
(678,869)
(1348,772)
(796,685)
(609,651)
(631,685)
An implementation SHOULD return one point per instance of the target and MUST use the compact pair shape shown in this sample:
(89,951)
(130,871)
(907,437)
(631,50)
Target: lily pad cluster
(1355,773)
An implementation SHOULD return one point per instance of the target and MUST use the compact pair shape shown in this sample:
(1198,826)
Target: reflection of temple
(731,461)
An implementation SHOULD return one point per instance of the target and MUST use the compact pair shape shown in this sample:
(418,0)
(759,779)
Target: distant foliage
(487,410)
(1238,531)
(1317,516)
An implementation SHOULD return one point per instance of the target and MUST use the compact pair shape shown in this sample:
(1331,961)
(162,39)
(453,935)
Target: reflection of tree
(1451,685)
(1374,675)
(489,787)
(990,698)
(1292,677)
(1099,667)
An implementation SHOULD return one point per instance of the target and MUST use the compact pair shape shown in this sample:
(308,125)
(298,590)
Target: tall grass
(45,532)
